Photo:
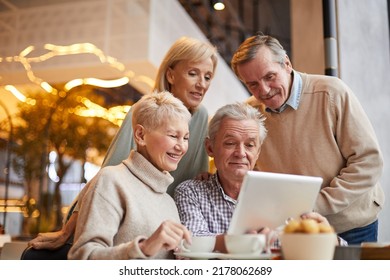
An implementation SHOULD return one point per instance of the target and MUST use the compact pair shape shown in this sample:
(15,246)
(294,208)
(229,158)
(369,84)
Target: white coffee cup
(245,243)
(199,244)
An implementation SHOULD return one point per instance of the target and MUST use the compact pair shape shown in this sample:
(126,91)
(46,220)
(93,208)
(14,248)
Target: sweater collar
(157,180)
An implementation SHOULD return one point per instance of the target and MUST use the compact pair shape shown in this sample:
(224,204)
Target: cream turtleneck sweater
(122,205)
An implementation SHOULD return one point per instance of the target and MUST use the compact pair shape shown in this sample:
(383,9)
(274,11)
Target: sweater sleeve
(360,149)
(97,225)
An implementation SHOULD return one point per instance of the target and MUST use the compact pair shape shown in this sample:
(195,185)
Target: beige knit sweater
(330,136)
(123,204)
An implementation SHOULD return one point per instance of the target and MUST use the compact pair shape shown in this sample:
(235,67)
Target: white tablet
(269,199)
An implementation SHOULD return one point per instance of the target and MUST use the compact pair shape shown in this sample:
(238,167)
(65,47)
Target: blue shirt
(295,94)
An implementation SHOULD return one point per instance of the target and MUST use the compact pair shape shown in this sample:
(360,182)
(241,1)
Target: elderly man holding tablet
(234,140)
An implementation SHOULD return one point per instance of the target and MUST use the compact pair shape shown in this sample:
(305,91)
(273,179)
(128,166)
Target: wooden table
(356,252)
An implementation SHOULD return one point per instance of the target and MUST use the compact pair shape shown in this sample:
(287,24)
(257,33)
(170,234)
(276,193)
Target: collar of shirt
(295,94)
(224,195)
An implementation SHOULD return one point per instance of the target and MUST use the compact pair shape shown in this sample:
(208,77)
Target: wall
(307,42)
(364,64)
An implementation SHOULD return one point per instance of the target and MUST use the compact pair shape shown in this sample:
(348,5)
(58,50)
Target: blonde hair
(154,109)
(185,48)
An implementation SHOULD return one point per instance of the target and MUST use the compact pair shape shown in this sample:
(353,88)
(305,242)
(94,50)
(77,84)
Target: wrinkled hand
(263,230)
(168,236)
(322,220)
(49,240)
(54,240)
(315,216)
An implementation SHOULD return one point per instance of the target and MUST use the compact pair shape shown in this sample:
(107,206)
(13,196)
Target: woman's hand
(168,236)
(54,240)
(49,240)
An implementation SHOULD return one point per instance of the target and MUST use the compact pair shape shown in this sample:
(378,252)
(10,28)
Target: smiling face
(164,146)
(235,149)
(189,81)
(267,80)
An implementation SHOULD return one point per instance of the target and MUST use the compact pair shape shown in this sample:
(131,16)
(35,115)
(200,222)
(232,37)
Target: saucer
(222,256)
(198,255)
(263,256)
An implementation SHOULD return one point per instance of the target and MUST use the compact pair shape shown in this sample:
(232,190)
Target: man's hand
(203,176)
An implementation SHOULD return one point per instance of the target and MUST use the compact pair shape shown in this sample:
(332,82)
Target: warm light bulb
(219,6)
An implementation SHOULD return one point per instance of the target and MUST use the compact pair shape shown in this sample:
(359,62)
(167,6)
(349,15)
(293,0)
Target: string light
(96,82)
(114,114)
(20,96)
(81,48)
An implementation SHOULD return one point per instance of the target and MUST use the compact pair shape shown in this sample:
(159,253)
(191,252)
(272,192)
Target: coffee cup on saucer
(251,244)
(199,244)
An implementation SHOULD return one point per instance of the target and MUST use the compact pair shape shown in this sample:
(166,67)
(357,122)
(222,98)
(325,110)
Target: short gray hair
(238,111)
(249,48)
(154,109)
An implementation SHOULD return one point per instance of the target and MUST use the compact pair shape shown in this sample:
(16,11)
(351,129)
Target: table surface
(352,253)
